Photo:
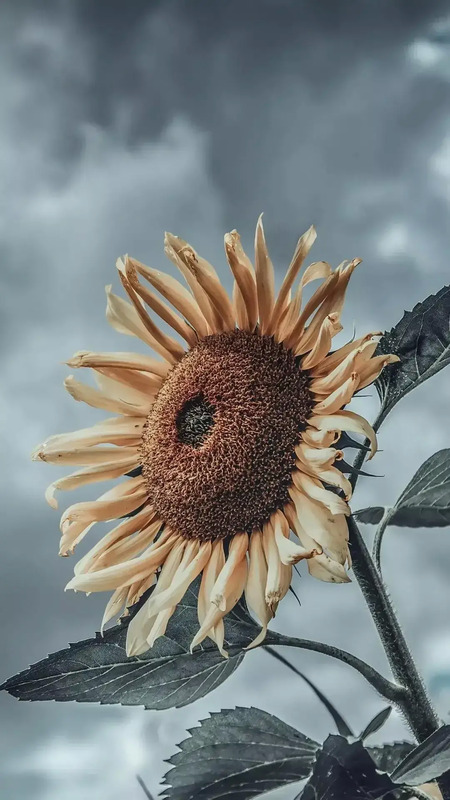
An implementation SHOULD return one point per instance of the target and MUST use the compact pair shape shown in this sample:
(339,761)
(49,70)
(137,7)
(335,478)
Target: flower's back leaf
(370,516)
(376,723)
(238,753)
(422,341)
(166,676)
(347,441)
(427,761)
(388,756)
(345,771)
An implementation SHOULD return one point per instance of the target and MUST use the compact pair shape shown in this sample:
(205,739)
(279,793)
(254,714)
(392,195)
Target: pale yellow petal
(371,370)
(125,573)
(132,361)
(122,531)
(166,346)
(279,575)
(100,399)
(215,614)
(176,294)
(289,551)
(314,489)
(346,421)
(236,553)
(243,273)
(264,278)
(172,248)
(340,397)
(159,306)
(316,271)
(302,249)
(208,279)
(93,474)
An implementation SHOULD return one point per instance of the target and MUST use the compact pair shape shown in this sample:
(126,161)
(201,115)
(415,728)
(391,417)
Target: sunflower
(228,443)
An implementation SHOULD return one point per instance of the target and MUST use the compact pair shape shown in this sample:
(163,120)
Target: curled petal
(346,421)
(126,572)
(302,249)
(289,551)
(159,306)
(242,270)
(100,472)
(371,370)
(131,361)
(141,625)
(279,575)
(264,278)
(237,552)
(103,399)
(215,614)
(177,295)
(314,489)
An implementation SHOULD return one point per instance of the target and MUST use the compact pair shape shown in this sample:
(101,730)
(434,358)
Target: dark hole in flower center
(194,421)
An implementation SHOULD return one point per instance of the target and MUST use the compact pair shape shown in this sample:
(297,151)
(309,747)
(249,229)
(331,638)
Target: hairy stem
(391,691)
(417,707)
(378,540)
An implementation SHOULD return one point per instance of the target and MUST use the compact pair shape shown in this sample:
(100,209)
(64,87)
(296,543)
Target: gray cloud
(195,118)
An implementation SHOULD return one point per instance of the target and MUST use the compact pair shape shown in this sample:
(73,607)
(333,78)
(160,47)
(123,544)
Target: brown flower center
(218,446)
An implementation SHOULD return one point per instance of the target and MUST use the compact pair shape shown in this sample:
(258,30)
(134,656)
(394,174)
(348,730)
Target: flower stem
(416,706)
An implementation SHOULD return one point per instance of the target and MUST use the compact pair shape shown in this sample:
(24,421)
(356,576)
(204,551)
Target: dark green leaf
(167,676)
(426,500)
(371,515)
(345,771)
(388,756)
(427,761)
(376,723)
(238,753)
(422,341)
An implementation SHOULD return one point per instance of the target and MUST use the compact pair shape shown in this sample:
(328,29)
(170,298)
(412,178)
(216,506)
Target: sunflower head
(227,444)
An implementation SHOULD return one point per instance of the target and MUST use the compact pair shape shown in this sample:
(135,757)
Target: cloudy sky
(120,121)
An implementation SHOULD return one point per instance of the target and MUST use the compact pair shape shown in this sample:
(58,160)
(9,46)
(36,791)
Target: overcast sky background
(119,121)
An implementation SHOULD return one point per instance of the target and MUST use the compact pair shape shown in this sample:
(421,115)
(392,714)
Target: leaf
(345,771)
(238,753)
(388,756)
(166,676)
(427,761)
(422,341)
(371,515)
(426,500)
(376,723)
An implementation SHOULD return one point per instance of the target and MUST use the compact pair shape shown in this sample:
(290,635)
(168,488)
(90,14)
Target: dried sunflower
(228,443)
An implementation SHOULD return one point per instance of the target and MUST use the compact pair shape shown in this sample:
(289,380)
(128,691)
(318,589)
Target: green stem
(378,540)
(417,707)
(391,691)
